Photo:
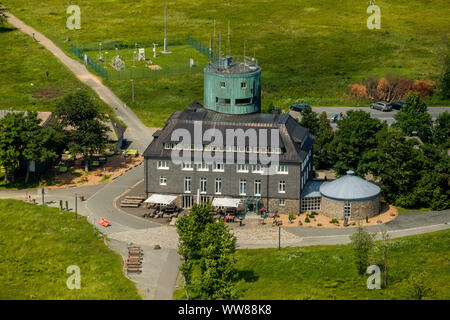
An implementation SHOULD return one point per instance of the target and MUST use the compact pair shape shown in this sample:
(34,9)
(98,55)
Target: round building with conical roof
(350,197)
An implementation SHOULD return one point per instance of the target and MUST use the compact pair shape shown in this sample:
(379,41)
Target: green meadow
(310,50)
(23,81)
(38,244)
(329,272)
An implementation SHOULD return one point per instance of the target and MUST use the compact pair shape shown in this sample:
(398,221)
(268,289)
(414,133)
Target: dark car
(398,105)
(299,107)
(383,106)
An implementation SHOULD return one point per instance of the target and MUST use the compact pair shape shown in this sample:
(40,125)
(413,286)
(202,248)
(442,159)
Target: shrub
(292,215)
(334,220)
(307,219)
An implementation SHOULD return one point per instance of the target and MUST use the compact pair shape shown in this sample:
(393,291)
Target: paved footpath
(137,132)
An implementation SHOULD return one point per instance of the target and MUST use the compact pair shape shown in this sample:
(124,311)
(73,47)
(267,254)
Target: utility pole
(43,201)
(132,90)
(76,209)
(279,238)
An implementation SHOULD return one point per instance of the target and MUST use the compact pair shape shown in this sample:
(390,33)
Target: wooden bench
(130,205)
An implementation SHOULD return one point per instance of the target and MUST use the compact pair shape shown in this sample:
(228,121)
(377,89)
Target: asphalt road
(383,116)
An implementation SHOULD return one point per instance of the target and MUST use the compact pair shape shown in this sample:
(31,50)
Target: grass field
(328,272)
(310,50)
(178,60)
(37,244)
(23,81)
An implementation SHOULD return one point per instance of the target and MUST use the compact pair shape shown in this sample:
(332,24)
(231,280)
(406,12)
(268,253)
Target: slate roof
(295,140)
(349,187)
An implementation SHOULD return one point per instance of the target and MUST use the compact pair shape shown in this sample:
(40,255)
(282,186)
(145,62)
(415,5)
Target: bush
(334,220)
(292,215)
(307,219)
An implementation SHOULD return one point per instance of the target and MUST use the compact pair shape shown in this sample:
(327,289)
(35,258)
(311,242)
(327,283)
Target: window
(202,167)
(203,185)
(243,187)
(347,210)
(187,184)
(257,187)
(218,167)
(223,101)
(257,168)
(187,201)
(163,180)
(169,146)
(187,166)
(282,187)
(243,85)
(244,101)
(218,186)
(204,199)
(223,84)
(283,169)
(310,204)
(162,164)
(242,168)
(282,202)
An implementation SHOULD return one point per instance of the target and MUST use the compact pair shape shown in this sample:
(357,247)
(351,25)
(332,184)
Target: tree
(432,188)
(190,229)
(80,115)
(441,130)
(321,148)
(362,243)
(356,135)
(310,120)
(11,145)
(384,246)
(444,82)
(217,265)
(40,144)
(414,118)
(397,163)
(419,286)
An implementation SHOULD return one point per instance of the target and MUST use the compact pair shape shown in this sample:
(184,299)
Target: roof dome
(349,187)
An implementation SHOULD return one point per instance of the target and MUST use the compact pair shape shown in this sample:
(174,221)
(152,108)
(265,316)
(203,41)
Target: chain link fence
(137,73)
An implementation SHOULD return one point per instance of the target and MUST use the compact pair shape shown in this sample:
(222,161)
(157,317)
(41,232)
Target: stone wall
(332,209)
(358,209)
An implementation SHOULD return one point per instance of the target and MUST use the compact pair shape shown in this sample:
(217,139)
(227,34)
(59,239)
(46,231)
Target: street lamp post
(76,208)
(132,90)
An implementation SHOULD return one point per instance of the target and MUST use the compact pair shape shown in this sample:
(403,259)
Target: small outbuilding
(350,197)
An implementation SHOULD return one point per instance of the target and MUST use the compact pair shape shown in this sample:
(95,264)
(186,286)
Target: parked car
(398,105)
(383,106)
(299,107)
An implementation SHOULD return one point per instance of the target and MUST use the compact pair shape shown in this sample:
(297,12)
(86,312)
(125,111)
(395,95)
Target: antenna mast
(220,49)
(166,50)
(228,40)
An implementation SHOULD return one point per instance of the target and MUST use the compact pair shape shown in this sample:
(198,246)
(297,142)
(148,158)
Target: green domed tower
(233,87)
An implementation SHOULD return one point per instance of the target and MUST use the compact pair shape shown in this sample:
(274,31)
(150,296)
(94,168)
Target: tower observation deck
(233,85)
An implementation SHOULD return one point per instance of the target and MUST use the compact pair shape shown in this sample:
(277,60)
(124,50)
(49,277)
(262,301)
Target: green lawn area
(310,51)
(401,210)
(37,244)
(23,82)
(328,272)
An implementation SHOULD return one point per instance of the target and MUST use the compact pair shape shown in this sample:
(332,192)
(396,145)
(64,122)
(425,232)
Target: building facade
(229,149)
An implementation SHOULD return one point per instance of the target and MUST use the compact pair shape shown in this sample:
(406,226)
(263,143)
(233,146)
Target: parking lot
(383,116)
